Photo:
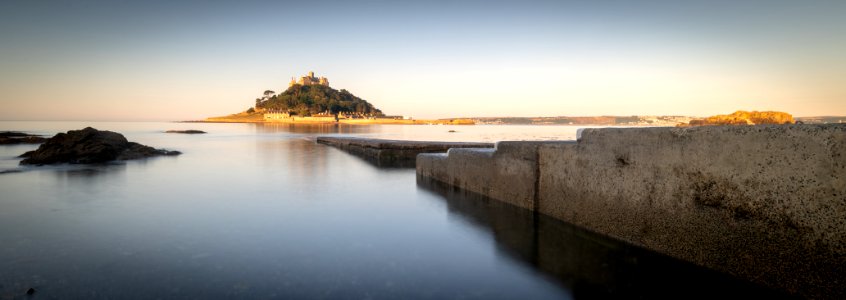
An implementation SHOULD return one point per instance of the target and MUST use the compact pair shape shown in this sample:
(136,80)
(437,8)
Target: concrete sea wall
(507,173)
(763,203)
(392,153)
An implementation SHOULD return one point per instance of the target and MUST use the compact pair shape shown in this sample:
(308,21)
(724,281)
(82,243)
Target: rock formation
(746,118)
(88,146)
(13,137)
(189,131)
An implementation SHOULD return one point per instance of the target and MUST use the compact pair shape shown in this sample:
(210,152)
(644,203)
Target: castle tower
(309,80)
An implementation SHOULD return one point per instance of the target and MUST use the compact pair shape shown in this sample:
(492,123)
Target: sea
(261,211)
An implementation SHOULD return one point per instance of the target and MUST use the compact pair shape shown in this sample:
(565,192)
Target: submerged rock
(14,137)
(190,131)
(88,146)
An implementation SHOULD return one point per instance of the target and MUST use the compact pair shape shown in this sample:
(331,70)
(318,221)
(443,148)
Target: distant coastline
(561,120)
(310,100)
(255,117)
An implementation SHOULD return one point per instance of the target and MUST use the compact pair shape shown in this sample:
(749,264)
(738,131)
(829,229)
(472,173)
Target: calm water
(251,211)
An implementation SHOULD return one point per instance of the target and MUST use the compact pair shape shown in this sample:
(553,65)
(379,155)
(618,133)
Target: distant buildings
(309,80)
(285,116)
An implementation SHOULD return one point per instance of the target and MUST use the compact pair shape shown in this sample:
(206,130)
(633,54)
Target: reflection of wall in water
(587,264)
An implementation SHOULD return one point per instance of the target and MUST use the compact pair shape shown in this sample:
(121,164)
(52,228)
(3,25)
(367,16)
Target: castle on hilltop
(309,80)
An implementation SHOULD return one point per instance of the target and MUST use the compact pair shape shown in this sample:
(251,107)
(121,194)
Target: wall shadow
(378,161)
(588,264)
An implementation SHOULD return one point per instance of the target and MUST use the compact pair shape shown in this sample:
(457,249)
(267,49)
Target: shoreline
(416,122)
(346,122)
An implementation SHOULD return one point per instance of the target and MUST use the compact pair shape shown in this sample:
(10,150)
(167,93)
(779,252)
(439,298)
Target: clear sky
(177,60)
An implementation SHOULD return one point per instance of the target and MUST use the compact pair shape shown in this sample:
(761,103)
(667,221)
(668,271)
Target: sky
(187,60)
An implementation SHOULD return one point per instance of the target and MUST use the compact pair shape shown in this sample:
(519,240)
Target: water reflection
(10,157)
(301,158)
(455,133)
(66,171)
(589,265)
(89,172)
(313,129)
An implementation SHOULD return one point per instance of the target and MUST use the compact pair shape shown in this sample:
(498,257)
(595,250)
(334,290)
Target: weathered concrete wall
(764,203)
(393,152)
(507,173)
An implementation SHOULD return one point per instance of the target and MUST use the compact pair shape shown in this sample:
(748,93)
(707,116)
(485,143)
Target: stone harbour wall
(390,152)
(507,173)
(763,203)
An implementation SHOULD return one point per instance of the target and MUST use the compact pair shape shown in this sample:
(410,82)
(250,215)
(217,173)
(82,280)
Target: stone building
(309,80)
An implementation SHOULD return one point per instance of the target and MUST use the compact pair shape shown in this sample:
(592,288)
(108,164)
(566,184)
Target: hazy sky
(149,60)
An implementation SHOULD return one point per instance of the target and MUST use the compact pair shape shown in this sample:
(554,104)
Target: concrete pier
(393,152)
(764,203)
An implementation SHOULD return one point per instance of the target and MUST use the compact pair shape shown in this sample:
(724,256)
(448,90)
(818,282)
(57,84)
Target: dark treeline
(305,100)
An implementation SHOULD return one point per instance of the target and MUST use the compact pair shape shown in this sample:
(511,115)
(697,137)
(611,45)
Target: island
(310,99)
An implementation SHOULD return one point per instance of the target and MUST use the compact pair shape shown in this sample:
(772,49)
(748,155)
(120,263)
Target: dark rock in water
(89,146)
(190,131)
(13,137)
(30,291)
(13,134)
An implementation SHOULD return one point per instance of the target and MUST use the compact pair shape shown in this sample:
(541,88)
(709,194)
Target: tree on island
(305,100)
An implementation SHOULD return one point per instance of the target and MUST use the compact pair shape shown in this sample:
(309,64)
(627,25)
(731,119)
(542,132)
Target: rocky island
(311,100)
(189,131)
(88,146)
(14,137)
